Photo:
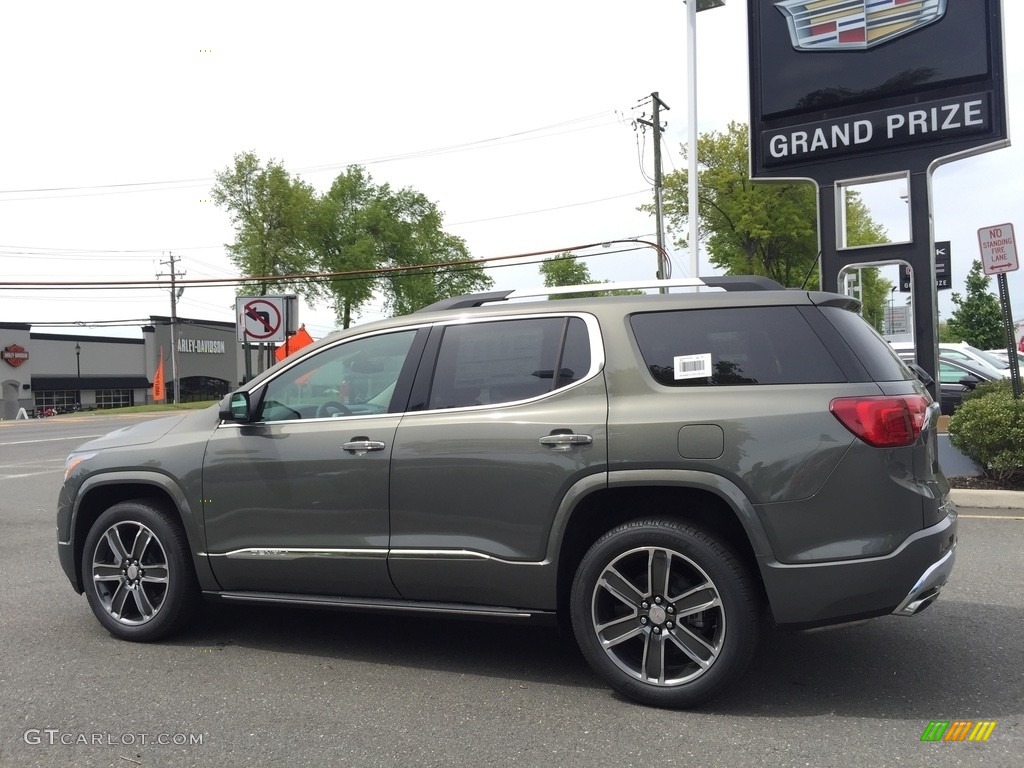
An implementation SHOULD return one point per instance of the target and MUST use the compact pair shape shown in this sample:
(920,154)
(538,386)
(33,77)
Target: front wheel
(665,613)
(138,572)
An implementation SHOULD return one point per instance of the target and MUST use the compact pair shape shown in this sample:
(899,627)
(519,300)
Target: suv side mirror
(970,381)
(236,407)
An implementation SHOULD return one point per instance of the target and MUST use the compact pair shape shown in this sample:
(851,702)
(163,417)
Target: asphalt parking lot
(282,687)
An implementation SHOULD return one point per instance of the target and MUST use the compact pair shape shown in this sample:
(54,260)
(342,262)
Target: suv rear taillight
(883,421)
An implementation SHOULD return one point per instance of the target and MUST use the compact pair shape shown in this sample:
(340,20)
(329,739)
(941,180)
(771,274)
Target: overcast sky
(516,119)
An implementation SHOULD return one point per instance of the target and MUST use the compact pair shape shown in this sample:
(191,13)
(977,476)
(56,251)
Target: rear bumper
(927,587)
(903,582)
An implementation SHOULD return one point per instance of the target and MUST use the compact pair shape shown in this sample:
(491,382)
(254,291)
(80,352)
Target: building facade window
(114,398)
(199,388)
(59,400)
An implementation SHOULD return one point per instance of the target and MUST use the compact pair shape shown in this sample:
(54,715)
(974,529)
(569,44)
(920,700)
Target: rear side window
(508,360)
(873,352)
(736,346)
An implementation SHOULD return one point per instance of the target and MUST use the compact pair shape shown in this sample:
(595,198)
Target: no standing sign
(999,256)
(998,249)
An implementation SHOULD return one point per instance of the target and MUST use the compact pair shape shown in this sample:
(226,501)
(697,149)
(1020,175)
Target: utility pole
(664,266)
(175,295)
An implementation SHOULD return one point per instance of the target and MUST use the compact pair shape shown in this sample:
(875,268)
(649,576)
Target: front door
(297,500)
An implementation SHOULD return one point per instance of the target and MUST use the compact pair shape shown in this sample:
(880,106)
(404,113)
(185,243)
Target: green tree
(366,226)
(978,318)
(409,231)
(343,238)
(567,269)
(393,240)
(763,228)
(270,212)
(874,292)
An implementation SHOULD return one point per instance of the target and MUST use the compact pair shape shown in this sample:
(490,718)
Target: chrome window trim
(301,358)
(597,357)
(339,419)
(597,363)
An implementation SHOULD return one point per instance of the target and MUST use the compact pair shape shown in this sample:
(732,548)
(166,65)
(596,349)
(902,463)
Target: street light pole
(78,369)
(692,8)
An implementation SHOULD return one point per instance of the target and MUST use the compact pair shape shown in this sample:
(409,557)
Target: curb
(966,497)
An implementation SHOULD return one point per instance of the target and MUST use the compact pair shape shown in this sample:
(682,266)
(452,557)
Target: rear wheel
(138,573)
(665,613)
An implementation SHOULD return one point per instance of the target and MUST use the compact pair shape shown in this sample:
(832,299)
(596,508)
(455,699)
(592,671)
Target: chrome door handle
(361,445)
(564,441)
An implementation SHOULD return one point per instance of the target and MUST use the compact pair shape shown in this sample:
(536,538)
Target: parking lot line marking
(992,517)
(51,439)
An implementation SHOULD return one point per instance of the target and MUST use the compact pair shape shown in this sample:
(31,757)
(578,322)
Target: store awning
(89,382)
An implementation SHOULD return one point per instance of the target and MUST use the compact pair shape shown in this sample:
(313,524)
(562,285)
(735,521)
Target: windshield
(991,359)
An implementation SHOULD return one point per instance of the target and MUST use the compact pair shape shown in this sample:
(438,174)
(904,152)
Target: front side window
(508,360)
(355,378)
(951,374)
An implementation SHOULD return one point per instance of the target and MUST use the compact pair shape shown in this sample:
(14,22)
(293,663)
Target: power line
(28,251)
(316,277)
(166,185)
(553,208)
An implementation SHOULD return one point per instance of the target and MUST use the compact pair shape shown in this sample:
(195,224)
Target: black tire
(138,573)
(634,612)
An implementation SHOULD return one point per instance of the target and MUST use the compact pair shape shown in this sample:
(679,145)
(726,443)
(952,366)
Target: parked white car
(1004,356)
(958,351)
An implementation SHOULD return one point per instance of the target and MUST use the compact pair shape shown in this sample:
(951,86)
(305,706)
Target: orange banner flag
(158,380)
(294,344)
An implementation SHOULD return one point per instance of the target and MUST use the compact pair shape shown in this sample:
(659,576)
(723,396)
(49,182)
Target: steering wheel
(331,408)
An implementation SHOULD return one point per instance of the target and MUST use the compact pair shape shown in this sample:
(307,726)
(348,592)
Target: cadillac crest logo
(14,355)
(855,25)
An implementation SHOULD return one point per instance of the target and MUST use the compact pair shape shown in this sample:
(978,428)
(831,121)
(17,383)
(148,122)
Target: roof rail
(466,301)
(727,282)
(743,283)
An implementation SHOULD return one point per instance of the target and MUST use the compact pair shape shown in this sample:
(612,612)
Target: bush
(989,428)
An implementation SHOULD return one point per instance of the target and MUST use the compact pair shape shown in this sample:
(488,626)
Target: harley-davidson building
(64,372)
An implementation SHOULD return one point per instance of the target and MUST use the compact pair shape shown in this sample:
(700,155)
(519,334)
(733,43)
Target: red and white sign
(998,249)
(14,355)
(260,319)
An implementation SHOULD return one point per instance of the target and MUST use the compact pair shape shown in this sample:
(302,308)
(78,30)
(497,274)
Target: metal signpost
(999,256)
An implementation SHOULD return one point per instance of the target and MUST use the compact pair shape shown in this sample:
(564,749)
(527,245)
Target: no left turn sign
(260,320)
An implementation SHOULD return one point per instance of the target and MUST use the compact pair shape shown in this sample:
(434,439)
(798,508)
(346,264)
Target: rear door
(509,418)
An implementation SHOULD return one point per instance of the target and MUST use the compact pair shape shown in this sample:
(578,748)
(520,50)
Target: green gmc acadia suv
(664,473)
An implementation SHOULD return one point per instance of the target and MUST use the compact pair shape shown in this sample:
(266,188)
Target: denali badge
(854,25)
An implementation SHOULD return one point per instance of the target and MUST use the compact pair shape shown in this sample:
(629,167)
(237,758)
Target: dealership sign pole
(859,91)
(999,256)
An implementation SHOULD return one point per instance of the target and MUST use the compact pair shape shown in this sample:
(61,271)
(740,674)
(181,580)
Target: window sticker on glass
(692,366)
